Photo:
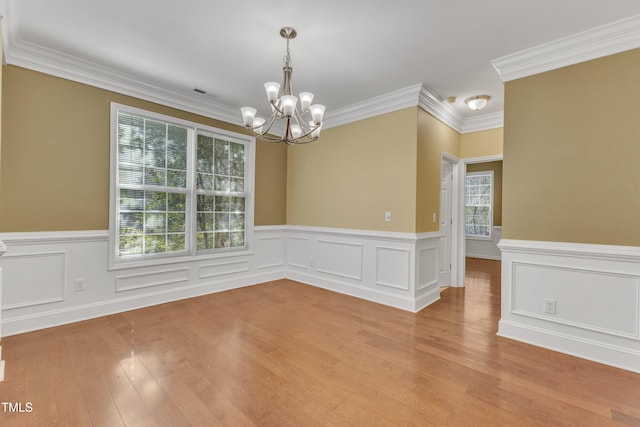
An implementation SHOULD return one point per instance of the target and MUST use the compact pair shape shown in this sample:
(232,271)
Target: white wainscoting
(596,293)
(396,269)
(1,360)
(485,248)
(53,278)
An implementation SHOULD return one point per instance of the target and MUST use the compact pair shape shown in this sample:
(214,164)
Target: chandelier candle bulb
(272,89)
(296,131)
(305,101)
(248,114)
(257,125)
(317,113)
(289,103)
(315,132)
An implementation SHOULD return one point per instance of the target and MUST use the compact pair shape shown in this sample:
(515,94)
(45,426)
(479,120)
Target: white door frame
(457,275)
(459,246)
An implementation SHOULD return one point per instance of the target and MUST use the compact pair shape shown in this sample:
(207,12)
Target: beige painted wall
(354,173)
(571,150)
(496,167)
(434,138)
(1,68)
(481,144)
(55,155)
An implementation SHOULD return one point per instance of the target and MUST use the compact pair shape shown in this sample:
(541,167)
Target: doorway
(448,264)
(459,239)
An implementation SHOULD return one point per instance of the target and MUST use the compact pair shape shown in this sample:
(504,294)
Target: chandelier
(302,123)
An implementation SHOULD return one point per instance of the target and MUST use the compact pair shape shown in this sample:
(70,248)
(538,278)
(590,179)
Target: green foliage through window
(478,203)
(156,198)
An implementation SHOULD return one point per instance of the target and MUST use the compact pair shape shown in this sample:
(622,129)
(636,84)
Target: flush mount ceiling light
(285,108)
(477,102)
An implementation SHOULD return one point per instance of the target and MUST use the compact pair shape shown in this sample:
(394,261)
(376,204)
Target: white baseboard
(595,290)
(596,351)
(76,313)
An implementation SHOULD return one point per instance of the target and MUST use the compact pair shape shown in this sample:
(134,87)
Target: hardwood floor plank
(286,354)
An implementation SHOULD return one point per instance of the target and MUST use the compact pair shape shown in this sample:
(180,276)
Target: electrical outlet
(79,285)
(550,306)
(387,216)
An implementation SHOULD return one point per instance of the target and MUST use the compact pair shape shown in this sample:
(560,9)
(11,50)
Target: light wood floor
(287,354)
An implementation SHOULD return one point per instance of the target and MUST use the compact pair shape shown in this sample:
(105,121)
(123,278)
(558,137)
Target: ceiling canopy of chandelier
(302,122)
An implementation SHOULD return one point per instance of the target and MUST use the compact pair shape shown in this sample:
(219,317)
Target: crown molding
(483,122)
(38,58)
(378,105)
(606,40)
(48,61)
(418,95)
(443,111)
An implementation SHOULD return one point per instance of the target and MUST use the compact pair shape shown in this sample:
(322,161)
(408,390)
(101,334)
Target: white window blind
(181,189)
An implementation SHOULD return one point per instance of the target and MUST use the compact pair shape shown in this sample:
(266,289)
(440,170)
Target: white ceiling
(345,52)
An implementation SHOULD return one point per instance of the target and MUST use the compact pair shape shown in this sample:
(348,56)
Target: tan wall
(354,173)
(1,68)
(481,144)
(571,150)
(434,138)
(55,155)
(496,167)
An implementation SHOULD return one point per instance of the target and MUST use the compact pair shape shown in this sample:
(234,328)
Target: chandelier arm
(308,134)
(271,122)
(277,109)
(268,138)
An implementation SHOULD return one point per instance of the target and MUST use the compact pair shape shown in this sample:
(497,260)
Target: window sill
(482,238)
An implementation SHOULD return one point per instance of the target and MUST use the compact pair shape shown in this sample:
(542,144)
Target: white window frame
(490,222)
(191,253)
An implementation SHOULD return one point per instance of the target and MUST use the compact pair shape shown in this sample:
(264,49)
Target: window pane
(176,222)
(177,148)
(154,243)
(478,200)
(176,242)
(205,221)
(154,198)
(176,201)
(131,200)
(155,144)
(221,157)
(155,223)
(155,201)
(205,241)
(222,240)
(131,224)
(130,174)
(205,154)
(237,239)
(130,245)
(236,166)
(221,183)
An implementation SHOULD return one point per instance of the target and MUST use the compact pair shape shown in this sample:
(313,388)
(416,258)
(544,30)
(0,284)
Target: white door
(446,209)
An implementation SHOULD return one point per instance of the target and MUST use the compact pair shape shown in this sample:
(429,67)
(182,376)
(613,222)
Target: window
(178,188)
(479,204)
